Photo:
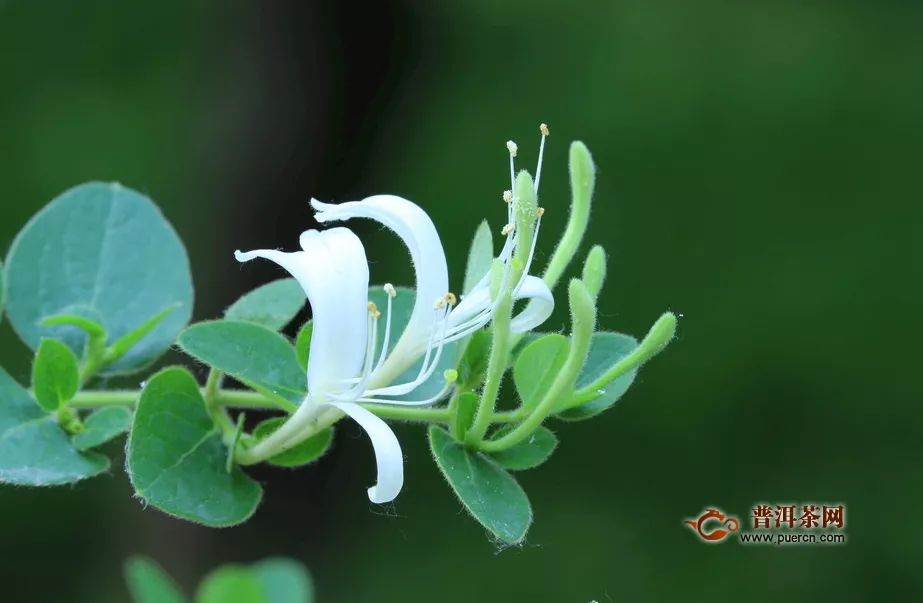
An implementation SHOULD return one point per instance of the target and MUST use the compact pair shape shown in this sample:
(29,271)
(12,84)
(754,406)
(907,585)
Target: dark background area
(758,174)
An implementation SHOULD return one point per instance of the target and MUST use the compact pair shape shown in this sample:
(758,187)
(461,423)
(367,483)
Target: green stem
(496,367)
(255,401)
(584,320)
(409,413)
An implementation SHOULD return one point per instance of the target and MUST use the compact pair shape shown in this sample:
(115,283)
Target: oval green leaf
(231,584)
(103,425)
(530,453)
(488,492)
(606,349)
(284,581)
(251,353)
(34,450)
(107,250)
(55,375)
(272,305)
(537,366)
(176,459)
(148,583)
(300,454)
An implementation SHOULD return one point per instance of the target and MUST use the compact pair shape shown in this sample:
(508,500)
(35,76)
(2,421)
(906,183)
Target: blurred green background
(758,174)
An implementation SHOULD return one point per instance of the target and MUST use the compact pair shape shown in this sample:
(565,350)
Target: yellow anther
(543,128)
(511,146)
(440,304)
(451,375)
(507,196)
(373,310)
(507,229)
(451,299)
(389,289)
(539,211)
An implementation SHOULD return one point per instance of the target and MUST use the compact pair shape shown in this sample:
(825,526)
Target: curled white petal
(416,229)
(539,308)
(475,309)
(334,273)
(388,455)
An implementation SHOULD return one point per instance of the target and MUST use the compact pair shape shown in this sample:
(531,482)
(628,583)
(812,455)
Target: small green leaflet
(299,454)
(273,305)
(55,375)
(102,426)
(480,257)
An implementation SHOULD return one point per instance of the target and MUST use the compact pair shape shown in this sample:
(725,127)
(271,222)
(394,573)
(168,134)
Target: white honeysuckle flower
(346,366)
(476,309)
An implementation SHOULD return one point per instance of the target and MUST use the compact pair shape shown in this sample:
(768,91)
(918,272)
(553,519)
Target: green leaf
(303,344)
(34,450)
(464,414)
(531,452)
(402,307)
(108,250)
(488,492)
(125,343)
(176,457)
(273,305)
(231,584)
(251,353)
(55,375)
(606,349)
(537,366)
(300,454)
(480,257)
(284,581)
(472,368)
(148,583)
(103,425)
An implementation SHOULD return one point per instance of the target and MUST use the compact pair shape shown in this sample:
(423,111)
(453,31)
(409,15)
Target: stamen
(356,390)
(442,394)
(539,212)
(430,360)
(389,289)
(451,299)
(513,149)
(543,128)
(439,304)
(507,229)
(507,196)
(373,310)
